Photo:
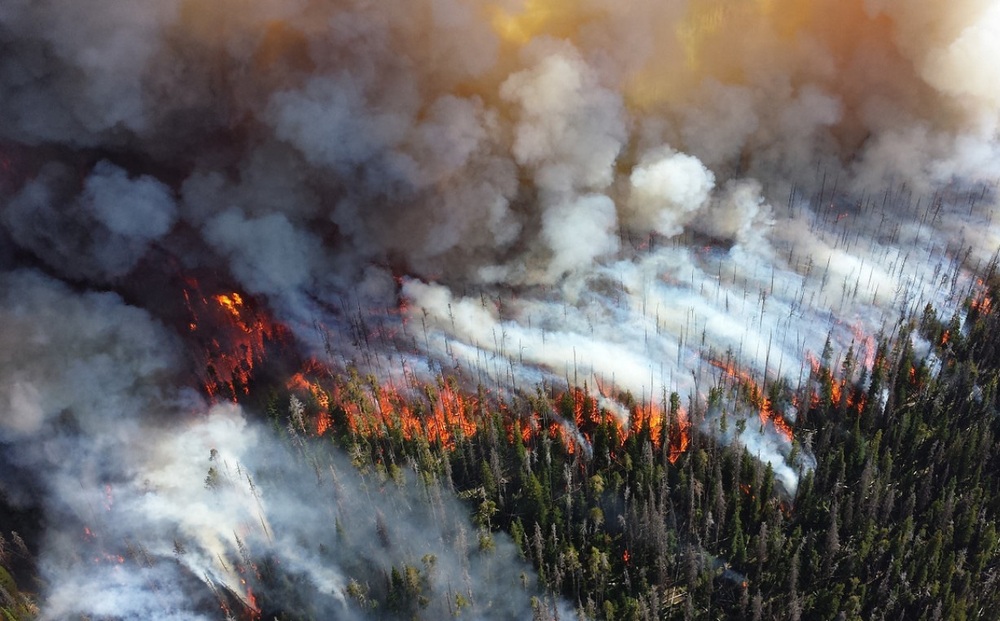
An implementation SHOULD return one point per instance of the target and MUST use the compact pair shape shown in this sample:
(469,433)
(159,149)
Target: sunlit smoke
(734,202)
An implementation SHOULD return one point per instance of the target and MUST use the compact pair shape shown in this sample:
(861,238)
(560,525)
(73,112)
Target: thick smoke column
(629,195)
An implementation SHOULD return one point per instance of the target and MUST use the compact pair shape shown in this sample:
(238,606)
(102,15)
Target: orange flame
(252,604)
(560,431)
(680,441)
(652,417)
(233,333)
(232,303)
(301,383)
(866,345)
(838,389)
(647,416)
(442,418)
(981,301)
(756,397)
(323,422)
(445,414)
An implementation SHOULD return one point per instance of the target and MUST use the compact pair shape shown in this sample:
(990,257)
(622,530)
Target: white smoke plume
(149,492)
(518,191)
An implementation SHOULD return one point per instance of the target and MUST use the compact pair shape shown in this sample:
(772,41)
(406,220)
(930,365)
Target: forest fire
(867,348)
(678,427)
(373,410)
(232,303)
(680,441)
(251,609)
(981,302)
(756,397)
(99,554)
(839,392)
(471,212)
(305,382)
(252,602)
(232,334)
(442,414)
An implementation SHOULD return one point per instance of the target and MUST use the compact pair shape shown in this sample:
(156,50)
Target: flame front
(981,302)
(232,336)
(840,392)
(756,396)
(443,414)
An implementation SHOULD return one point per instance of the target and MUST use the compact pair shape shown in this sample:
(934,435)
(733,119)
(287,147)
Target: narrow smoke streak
(516,192)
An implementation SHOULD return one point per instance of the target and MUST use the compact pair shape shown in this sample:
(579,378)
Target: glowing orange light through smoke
(756,397)
(866,346)
(838,389)
(233,334)
(981,301)
(555,18)
(252,604)
(680,441)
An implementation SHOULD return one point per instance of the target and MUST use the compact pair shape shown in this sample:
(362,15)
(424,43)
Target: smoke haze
(518,191)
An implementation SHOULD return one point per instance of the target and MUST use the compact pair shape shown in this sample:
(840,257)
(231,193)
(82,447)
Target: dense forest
(657,519)
(499,309)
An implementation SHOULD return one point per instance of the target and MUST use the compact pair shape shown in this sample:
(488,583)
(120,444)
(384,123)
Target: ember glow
(754,395)
(981,301)
(231,338)
(459,202)
(841,391)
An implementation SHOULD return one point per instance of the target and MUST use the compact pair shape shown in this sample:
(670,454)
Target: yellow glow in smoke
(704,20)
(555,18)
(519,28)
(713,27)
(716,39)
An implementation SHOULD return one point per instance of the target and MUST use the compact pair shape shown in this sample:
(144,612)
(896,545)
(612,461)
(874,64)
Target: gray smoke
(148,492)
(518,191)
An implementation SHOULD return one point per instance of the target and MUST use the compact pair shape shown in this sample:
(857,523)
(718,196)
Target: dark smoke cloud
(552,190)
(100,233)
